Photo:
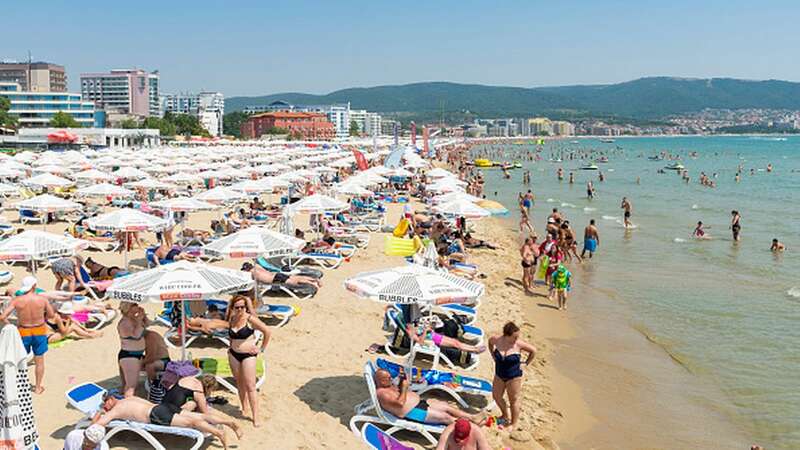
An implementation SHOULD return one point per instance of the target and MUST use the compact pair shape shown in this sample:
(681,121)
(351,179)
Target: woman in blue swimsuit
(506,351)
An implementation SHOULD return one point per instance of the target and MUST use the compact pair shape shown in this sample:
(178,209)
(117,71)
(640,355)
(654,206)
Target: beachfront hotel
(208,107)
(131,92)
(35,109)
(34,76)
(305,125)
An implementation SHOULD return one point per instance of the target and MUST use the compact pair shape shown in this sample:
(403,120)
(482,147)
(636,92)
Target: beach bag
(400,340)
(176,370)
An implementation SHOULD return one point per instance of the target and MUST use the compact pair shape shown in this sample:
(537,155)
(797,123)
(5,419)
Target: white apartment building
(562,128)
(208,107)
(123,91)
(339,115)
(369,123)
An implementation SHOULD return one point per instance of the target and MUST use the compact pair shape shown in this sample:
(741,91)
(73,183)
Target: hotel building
(304,125)
(35,76)
(125,92)
(35,109)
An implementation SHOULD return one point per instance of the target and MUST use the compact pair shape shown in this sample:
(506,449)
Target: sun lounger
(288,270)
(6,276)
(393,346)
(383,417)
(377,439)
(283,313)
(424,380)
(327,261)
(221,370)
(88,399)
(27,216)
(295,291)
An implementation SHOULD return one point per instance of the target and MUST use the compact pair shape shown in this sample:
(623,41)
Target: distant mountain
(645,98)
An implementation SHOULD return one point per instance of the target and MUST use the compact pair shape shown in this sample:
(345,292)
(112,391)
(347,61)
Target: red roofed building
(303,125)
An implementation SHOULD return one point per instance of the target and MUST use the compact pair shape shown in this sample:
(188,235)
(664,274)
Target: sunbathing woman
(214,320)
(189,234)
(264,276)
(423,331)
(168,253)
(100,272)
(62,326)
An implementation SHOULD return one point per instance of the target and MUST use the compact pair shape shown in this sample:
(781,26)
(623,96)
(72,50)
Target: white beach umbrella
(183,178)
(47,203)
(457,195)
(127,219)
(463,208)
(318,204)
(52,168)
(221,194)
(104,190)
(254,242)
(352,188)
(10,172)
(438,172)
(149,183)
(17,421)
(130,173)
(94,174)
(32,245)
(47,180)
(184,204)
(8,189)
(252,186)
(413,283)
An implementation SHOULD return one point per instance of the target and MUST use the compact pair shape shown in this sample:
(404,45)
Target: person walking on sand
(524,220)
(591,239)
(506,350)
(736,227)
(528,264)
(33,309)
(627,208)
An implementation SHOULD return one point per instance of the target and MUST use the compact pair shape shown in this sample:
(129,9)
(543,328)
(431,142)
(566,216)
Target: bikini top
(134,338)
(242,333)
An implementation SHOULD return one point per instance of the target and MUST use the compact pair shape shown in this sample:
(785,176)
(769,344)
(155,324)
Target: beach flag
(361,161)
(425,137)
(413,134)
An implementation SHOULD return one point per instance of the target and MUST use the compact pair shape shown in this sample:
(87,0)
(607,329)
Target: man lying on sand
(402,402)
(140,410)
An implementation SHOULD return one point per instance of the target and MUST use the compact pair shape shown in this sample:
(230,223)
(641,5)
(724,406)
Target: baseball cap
(462,430)
(95,433)
(28,283)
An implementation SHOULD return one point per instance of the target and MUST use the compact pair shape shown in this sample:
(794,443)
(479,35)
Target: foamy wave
(794,292)
(695,206)
(589,209)
(609,170)
(550,200)
(679,240)
(610,218)
(567,205)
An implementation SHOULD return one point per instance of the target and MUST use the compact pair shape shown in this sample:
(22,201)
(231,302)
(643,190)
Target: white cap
(28,283)
(95,433)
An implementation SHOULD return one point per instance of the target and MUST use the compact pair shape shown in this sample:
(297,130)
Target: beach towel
(221,367)
(402,228)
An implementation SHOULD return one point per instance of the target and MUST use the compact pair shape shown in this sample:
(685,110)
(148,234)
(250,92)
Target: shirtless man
(626,206)
(140,410)
(777,246)
(462,435)
(591,239)
(32,311)
(406,404)
(589,190)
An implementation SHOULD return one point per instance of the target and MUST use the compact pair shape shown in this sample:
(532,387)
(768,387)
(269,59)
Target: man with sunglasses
(462,435)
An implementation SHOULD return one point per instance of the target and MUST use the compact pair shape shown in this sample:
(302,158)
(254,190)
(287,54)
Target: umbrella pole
(183,330)
(257,294)
(125,246)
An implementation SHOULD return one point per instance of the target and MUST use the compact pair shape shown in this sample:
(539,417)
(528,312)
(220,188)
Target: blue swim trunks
(419,413)
(590,245)
(34,339)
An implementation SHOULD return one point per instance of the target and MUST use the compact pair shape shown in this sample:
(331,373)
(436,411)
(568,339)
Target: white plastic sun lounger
(88,399)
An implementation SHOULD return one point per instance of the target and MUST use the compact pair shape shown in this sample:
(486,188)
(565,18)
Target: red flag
(361,162)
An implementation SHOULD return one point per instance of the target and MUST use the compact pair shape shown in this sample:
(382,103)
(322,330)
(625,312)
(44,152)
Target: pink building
(127,91)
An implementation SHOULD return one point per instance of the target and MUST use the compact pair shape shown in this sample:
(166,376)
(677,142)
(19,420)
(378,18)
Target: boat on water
(674,166)
(589,166)
(654,158)
(607,141)
(483,163)
(601,159)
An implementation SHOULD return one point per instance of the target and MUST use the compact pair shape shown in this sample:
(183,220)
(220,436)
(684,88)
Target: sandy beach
(315,362)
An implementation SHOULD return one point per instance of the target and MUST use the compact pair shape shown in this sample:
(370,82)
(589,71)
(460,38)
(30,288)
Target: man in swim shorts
(591,239)
(32,310)
(626,206)
(137,409)
(402,402)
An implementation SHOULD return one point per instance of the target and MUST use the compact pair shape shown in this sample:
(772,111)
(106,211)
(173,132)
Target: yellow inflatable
(483,163)
(402,228)
(394,246)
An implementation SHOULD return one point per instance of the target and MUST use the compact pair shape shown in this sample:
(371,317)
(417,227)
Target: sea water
(728,312)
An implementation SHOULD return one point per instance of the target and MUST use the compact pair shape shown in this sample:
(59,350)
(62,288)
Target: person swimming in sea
(699,232)
(777,246)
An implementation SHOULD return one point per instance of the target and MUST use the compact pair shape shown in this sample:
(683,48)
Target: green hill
(645,98)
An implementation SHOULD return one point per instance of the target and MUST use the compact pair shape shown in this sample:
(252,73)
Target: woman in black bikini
(506,351)
(244,351)
(131,328)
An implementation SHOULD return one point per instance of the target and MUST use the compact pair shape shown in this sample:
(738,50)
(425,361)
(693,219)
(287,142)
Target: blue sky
(269,46)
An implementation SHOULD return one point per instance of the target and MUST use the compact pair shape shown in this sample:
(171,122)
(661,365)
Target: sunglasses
(240,307)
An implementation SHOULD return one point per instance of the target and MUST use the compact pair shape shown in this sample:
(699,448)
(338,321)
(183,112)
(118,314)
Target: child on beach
(561,282)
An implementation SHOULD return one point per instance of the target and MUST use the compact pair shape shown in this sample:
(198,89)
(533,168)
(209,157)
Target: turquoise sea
(728,312)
